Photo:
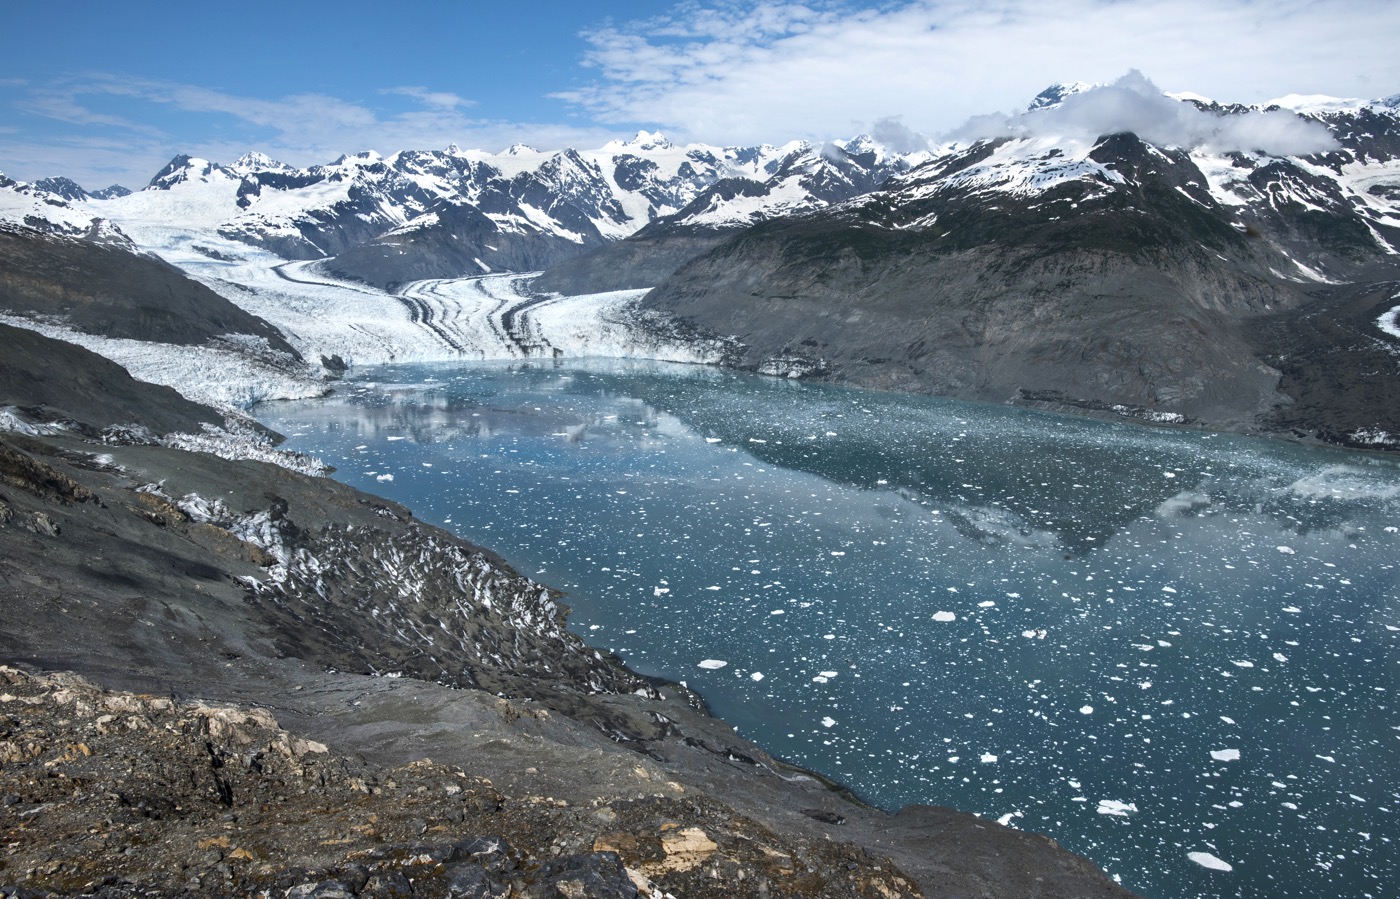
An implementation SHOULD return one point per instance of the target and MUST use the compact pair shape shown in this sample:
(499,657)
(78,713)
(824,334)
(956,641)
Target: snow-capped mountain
(454,212)
(37,208)
(807,177)
(1165,266)
(1096,270)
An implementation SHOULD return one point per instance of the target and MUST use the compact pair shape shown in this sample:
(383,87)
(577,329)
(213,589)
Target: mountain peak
(364,157)
(642,140)
(861,143)
(1056,94)
(520,150)
(112,192)
(1314,103)
(257,162)
(66,188)
(184,168)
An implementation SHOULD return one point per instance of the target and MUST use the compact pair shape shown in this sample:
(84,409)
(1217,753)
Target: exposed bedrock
(988,324)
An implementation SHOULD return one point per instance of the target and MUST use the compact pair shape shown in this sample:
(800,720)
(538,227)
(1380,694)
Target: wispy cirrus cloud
(743,72)
(433,99)
(301,129)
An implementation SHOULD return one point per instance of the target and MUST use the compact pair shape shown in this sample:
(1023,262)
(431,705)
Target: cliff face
(199,581)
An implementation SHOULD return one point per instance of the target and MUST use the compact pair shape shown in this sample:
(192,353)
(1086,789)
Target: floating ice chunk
(1227,719)
(393,437)
(1292,610)
(837,553)
(1327,758)
(1117,809)
(756,676)
(988,758)
(711,664)
(944,616)
(1242,664)
(1225,755)
(660,591)
(384,477)
(819,679)
(828,674)
(712,440)
(1280,657)
(828,721)
(777,612)
(1206,860)
(1286,550)
(1005,820)
(985,604)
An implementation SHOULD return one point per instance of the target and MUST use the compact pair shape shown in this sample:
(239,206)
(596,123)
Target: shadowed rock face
(1132,287)
(639,262)
(461,241)
(115,293)
(59,381)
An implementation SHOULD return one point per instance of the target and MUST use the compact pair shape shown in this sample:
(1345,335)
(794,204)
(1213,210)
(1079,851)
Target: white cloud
(733,72)
(300,129)
(1133,103)
(893,134)
(434,99)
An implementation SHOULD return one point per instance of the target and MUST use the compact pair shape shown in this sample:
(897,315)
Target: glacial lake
(1173,651)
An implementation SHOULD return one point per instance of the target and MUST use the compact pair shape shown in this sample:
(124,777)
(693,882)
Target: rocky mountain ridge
(1097,274)
(448,213)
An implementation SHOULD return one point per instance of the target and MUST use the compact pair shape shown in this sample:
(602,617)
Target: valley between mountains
(206,590)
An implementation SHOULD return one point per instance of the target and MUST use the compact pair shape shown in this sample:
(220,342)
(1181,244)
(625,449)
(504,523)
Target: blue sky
(107,92)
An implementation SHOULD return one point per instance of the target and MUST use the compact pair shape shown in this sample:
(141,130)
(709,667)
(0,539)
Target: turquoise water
(1163,648)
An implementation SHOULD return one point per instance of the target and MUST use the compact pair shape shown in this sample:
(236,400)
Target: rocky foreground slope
(234,598)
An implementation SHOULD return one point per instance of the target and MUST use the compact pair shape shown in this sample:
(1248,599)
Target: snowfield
(332,322)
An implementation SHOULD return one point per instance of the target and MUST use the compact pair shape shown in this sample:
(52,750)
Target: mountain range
(1222,264)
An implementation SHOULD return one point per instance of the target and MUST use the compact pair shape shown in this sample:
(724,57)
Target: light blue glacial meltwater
(1174,652)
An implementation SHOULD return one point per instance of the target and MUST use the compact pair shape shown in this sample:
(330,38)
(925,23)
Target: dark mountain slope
(1100,290)
(57,381)
(1012,272)
(453,241)
(110,291)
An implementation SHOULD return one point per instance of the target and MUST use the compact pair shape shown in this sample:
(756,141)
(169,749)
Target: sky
(106,92)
